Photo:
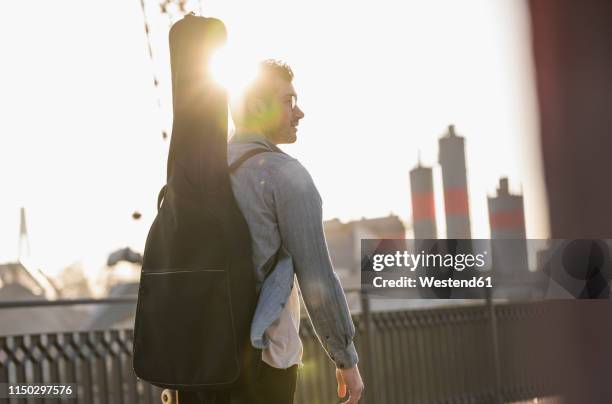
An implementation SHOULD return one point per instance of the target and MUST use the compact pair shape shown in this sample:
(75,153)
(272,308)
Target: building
(344,239)
(423,205)
(507,221)
(344,245)
(509,247)
(506,213)
(454,181)
(17,283)
(34,283)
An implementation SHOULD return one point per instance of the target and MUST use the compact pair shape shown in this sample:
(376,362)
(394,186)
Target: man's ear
(256,107)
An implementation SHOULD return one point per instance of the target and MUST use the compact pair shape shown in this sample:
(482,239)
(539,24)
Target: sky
(80,125)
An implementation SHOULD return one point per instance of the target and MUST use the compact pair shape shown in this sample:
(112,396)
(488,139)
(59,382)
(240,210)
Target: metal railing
(417,356)
(443,356)
(16,304)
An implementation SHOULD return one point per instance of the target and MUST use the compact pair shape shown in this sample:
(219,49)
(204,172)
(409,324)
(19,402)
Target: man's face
(283,114)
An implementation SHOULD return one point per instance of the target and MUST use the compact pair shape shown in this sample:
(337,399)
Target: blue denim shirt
(283,209)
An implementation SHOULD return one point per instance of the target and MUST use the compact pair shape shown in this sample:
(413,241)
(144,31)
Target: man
(283,210)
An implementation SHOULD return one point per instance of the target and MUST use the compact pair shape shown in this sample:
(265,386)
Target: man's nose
(298,112)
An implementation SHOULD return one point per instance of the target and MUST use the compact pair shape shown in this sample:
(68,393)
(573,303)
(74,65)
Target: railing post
(4,360)
(495,342)
(368,370)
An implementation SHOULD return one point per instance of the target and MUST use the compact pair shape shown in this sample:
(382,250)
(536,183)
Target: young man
(283,210)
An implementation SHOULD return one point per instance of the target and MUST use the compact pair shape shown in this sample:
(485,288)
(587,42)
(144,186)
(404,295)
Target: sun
(232,69)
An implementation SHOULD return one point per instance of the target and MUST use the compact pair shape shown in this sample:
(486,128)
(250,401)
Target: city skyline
(82,146)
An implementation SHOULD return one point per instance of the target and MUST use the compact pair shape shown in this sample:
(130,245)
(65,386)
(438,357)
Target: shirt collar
(254,137)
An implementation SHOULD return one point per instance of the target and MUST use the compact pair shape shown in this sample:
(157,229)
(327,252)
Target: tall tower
(24,241)
(423,207)
(510,262)
(506,214)
(454,180)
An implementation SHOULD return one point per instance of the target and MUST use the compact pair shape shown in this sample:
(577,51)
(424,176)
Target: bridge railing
(443,355)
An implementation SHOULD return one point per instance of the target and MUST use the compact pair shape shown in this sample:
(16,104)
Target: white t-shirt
(285,348)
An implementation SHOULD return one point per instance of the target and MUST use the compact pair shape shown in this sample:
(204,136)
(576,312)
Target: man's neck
(245,131)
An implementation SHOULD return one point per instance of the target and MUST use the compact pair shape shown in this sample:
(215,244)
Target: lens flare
(232,71)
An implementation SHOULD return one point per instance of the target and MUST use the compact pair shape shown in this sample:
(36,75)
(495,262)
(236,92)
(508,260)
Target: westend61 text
(432,282)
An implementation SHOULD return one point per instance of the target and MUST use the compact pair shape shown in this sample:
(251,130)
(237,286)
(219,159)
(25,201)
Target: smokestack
(423,207)
(454,181)
(506,213)
(507,221)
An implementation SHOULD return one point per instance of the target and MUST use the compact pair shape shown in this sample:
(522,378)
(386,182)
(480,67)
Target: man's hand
(351,379)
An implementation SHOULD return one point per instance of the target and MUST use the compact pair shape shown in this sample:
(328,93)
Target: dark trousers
(271,386)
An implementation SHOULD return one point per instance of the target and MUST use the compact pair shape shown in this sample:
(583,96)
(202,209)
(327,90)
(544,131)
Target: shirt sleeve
(299,216)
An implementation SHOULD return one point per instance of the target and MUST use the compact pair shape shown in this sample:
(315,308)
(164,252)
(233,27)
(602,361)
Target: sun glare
(230,70)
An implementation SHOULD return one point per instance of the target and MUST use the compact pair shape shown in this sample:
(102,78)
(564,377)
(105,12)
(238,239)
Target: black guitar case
(197,292)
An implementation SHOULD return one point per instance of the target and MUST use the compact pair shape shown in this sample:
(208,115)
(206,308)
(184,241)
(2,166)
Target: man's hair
(275,68)
(262,86)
